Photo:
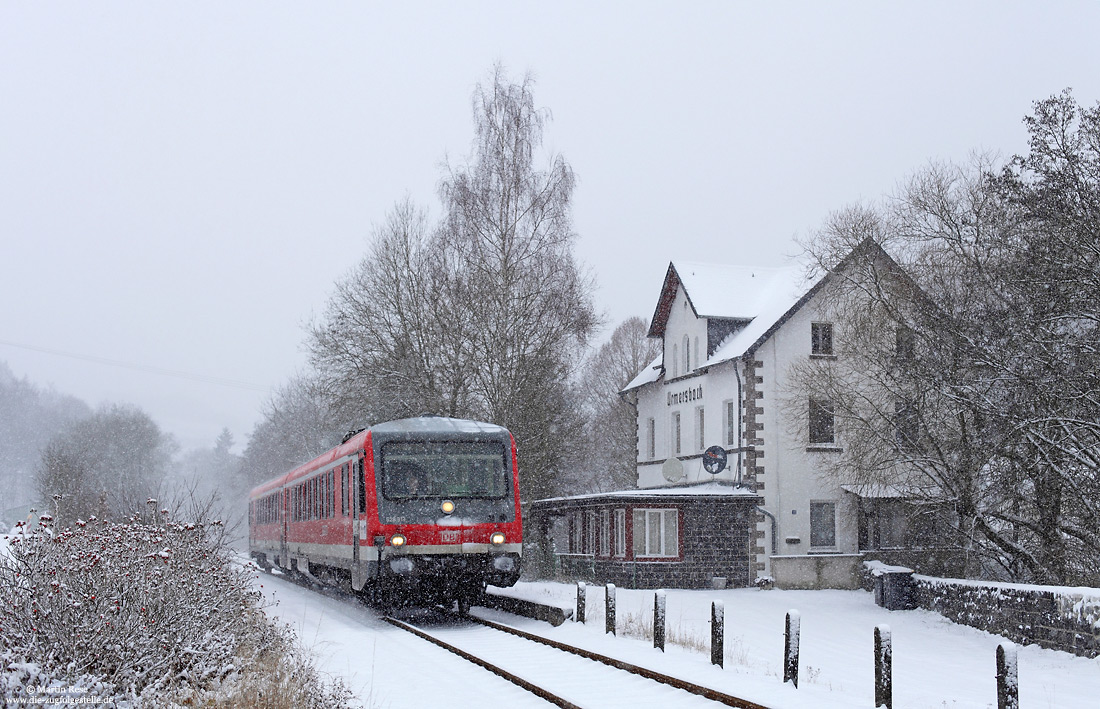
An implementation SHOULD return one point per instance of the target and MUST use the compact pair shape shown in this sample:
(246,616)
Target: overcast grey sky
(182,183)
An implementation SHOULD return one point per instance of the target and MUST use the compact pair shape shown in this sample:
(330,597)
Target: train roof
(427,425)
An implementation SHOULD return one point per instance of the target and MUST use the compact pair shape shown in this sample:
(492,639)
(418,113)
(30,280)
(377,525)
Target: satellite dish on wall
(673,470)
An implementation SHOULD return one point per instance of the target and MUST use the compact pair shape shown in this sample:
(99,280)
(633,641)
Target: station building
(729,335)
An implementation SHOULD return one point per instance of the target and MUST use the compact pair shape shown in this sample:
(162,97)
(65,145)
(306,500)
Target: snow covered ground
(936,663)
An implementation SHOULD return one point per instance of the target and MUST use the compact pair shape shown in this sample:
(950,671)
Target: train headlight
(398,540)
(497,538)
(447,507)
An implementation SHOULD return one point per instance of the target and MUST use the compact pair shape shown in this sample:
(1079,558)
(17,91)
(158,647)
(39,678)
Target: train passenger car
(424,508)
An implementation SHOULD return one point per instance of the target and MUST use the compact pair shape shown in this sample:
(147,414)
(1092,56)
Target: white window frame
(619,550)
(576,538)
(675,361)
(729,422)
(650,438)
(676,443)
(700,429)
(590,532)
(605,532)
(665,542)
(818,546)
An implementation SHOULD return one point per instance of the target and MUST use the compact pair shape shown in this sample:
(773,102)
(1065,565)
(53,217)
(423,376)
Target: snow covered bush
(149,614)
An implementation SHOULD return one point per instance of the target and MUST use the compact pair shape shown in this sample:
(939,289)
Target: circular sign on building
(673,470)
(714,459)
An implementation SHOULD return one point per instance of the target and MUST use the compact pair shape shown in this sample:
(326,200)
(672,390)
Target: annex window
(700,432)
(676,433)
(729,424)
(650,439)
(620,534)
(823,525)
(590,532)
(576,537)
(822,422)
(821,338)
(605,532)
(656,533)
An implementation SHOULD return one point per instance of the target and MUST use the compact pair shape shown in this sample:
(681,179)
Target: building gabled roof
(720,291)
(765,297)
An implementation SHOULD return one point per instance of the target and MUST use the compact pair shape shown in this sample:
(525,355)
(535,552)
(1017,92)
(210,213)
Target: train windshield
(452,469)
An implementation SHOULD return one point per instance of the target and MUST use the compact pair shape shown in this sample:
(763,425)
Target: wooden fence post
(717,633)
(659,620)
(609,609)
(790,647)
(1008,682)
(884,667)
(580,601)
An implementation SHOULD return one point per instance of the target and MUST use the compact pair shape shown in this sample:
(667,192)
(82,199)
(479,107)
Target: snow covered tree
(608,460)
(107,465)
(299,423)
(969,377)
(485,316)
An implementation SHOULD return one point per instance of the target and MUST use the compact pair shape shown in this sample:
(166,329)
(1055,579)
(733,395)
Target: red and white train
(425,509)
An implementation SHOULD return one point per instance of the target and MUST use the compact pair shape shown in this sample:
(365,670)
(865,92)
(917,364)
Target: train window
(361,485)
(454,469)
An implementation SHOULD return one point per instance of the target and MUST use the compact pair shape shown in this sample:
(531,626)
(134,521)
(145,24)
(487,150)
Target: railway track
(561,674)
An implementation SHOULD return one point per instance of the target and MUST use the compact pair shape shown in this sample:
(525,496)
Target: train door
(358,575)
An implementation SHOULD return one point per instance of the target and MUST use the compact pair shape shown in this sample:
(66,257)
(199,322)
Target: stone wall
(1055,617)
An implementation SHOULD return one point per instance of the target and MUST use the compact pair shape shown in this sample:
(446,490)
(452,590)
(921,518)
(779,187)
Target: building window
(656,533)
(675,361)
(905,343)
(823,525)
(700,434)
(822,428)
(650,439)
(620,533)
(590,533)
(906,426)
(605,533)
(687,355)
(821,338)
(576,537)
(675,433)
(730,423)
(696,353)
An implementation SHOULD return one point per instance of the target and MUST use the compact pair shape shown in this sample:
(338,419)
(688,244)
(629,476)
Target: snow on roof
(738,292)
(713,489)
(648,375)
(775,297)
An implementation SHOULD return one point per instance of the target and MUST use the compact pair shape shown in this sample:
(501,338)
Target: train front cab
(447,518)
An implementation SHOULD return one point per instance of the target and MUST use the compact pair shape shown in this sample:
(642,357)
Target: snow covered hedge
(147,614)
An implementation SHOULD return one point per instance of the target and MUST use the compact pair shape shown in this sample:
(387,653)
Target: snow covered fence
(790,647)
(717,633)
(1008,684)
(609,609)
(659,614)
(884,667)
